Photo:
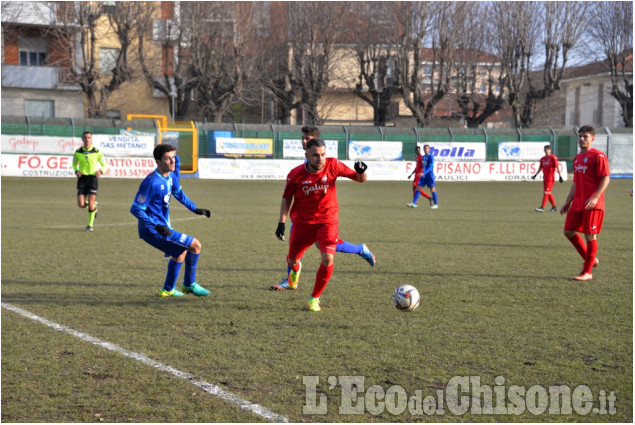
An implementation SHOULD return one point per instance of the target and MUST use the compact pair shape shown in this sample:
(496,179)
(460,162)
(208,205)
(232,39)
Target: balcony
(37,77)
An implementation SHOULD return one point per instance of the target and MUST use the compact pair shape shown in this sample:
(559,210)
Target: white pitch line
(131,223)
(211,389)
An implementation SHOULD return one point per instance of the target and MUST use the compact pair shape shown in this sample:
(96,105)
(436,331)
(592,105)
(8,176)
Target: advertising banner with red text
(16,165)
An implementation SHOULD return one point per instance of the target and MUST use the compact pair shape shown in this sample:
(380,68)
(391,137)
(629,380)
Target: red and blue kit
(549,165)
(588,169)
(314,211)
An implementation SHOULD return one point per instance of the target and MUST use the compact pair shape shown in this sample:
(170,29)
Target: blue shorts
(426,180)
(172,245)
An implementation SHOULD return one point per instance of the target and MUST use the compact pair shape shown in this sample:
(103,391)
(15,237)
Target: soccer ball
(406,298)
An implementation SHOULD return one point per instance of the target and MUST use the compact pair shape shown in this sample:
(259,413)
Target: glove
(360,167)
(280,231)
(162,230)
(533,177)
(202,211)
(561,179)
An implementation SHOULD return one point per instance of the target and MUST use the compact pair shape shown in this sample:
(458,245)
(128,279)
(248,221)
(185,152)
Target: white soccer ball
(406,298)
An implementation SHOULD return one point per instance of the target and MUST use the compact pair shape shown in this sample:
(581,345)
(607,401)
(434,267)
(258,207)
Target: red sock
(591,251)
(425,195)
(294,268)
(552,200)
(321,279)
(578,242)
(545,198)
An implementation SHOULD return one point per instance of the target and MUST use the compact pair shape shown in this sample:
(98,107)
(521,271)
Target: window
(39,108)
(107,60)
(33,51)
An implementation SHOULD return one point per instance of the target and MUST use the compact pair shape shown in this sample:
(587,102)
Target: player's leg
(327,238)
(592,225)
(173,247)
(359,249)
(432,185)
(190,285)
(300,239)
(416,194)
(284,282)
(414,189)
(92,208)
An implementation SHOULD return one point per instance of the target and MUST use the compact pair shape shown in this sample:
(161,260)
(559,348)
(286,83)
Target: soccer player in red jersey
(585,203)
(418,172)
(549,166)
(311,189)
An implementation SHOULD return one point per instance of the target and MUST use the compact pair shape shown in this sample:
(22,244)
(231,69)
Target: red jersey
(314,195)
(588,169)
(549,166)
(419,166)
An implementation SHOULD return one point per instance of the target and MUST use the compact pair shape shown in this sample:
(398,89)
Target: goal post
(182,134)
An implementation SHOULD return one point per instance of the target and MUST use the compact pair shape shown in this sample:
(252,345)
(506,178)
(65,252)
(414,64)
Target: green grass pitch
(494,277)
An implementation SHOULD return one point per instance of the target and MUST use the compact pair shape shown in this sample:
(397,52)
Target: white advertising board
(111,145)
(292,148)
(19,165)
(375,151)
(521,151)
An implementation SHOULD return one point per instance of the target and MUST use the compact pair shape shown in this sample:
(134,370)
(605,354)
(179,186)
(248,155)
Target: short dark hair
(314,142)
(160,150)
(547,147)
(85,133)
(587,129)
(311,130)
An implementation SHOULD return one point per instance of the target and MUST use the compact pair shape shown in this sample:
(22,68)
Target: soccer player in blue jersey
(152,207)
(427,179)
(308,133)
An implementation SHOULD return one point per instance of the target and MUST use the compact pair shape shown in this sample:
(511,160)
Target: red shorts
(304,235)
(587,222)
(548,185)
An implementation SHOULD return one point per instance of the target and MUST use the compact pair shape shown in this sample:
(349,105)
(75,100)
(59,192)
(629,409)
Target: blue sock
(416,196)
(190,268)
(173,273)
(434,197)
(347,247)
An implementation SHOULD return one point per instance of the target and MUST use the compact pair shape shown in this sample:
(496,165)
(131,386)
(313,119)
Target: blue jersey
(151,205)
(427,163)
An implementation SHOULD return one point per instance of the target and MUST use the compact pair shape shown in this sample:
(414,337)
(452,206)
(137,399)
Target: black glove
(360,167)
(163,230)
(280,231)
(533,177)
(202,211)
(561,179)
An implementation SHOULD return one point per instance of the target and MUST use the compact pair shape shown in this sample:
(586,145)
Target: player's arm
(180,196)
(557,165)
(567,203)
(104,165)
(538,172)
(285,206)
(76,165)
(593,200)
(360,172)
(140,205)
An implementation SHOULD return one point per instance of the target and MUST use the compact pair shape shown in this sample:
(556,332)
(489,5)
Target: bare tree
(374,37)
(611,29)
(531,32)
(82,29)
(480,91)
(314,30)
(425,76)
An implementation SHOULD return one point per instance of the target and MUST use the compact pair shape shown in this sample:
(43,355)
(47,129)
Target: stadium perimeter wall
(617,143)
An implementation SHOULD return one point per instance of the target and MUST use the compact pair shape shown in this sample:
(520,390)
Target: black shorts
(87,185)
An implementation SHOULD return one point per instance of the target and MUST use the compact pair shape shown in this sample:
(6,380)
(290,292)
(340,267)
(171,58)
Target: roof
(595,68)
